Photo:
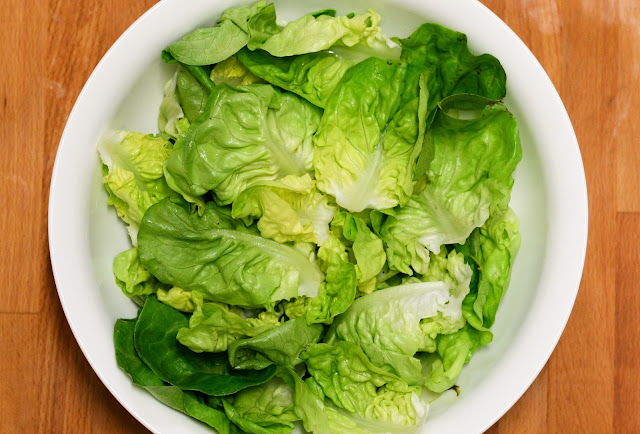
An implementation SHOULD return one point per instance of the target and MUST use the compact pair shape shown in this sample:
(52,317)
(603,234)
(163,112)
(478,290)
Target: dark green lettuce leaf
(184,401)
(156,344)
(451,68)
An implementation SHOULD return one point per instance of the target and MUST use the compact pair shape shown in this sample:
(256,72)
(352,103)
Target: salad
(320,229)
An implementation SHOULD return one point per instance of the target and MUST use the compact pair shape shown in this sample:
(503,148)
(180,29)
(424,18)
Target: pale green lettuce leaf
(470,174)
(451,269)
(370,136)
(177,298)
(206,46)
(233,72)
(171,119)
(453,352)
(290,209)
(313,76)
(213,326)
(378,399)
(493,248)
(317,32)
(314,73)
(134,174)
(191,93)
(367,247)
(386,325)
(268,408)
(336,293)
(246,136)
(213,254)
(132,277)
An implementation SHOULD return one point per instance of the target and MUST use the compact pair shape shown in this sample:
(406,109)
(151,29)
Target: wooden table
(590,49)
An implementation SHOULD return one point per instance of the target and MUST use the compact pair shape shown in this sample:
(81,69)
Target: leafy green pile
(322,226)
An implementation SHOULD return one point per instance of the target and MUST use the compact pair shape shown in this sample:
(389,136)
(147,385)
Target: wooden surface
(590,49)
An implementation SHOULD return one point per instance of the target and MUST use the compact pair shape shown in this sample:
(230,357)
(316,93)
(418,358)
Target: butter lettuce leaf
(281,345)
(322,31)
(268,408)
(386,325)
(452,68)
(375,397)
(246,136)
(492,248)
(184,401)
(314,74)
(470,174)
(452,269)
(336,293)
(367,247)
(370,136)
(133,174)
(233,72)
(453,352)
(291,209)
(132,277)
(206,46)
(215,255)
(213,326)
(156,344)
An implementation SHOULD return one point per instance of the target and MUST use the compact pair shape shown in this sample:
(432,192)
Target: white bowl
(549,196)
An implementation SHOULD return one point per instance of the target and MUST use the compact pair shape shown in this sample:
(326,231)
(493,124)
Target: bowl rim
(54,219)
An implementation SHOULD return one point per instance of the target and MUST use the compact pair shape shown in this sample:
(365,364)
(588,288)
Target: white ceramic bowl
(550,198)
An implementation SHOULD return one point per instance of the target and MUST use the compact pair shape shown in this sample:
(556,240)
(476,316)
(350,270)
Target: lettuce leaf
(171,119)
(210,45)
(315,73)
(156,344)
(133,174)
(213,326)
(233,72)
(451,68)
(367,247)
(184,401)
(375,397)
(386,325)
(337,292)
(132,277)
(470,175)
(321,31)
(452,269)
(370,136)
(313,76)
(492,248)
(453,352)
(214,255)
(177,298)
(246,136)
(290,209)
(268,408)
(281,345)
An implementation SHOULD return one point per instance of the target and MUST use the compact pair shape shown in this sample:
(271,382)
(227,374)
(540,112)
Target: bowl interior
(128,98)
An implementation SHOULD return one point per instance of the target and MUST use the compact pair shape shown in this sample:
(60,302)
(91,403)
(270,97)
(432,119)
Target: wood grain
(589,49)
